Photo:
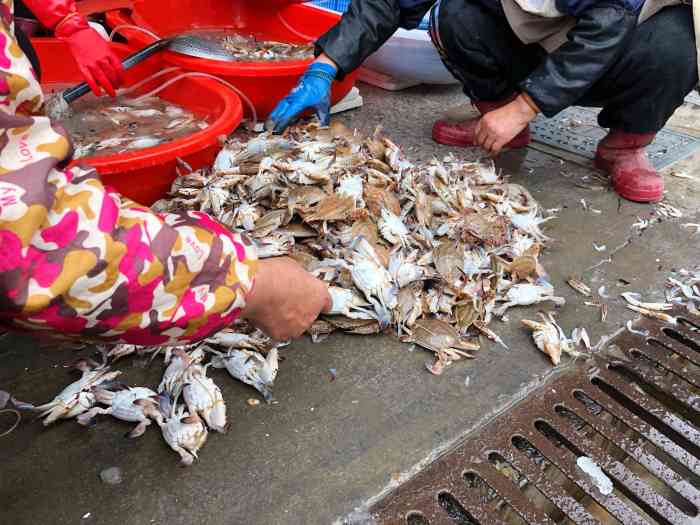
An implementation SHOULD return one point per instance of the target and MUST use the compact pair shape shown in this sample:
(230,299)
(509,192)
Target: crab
(331,208)
(405,270)
(184,433)
(550,338)
(441,338)
(355,326)
(393,228)
(348,303)
(530,223)
(410,307)
(352,187)
(526,294)
(174,376)
(204,398)
(232,339)
(251,368)
(275,244)
(135,405)
(77,397)
(375,282)
(320,330)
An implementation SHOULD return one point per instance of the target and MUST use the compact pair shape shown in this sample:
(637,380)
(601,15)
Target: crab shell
(128,405)
(546,337)
(56,410)
(203,397)
(186,435)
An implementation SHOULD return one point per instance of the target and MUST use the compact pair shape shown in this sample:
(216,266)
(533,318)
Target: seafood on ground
(378,229)
(132,404)
(202,396)
(252,368)
(78,397)
(230,338)
(441,338)
(175,375)
(431,250)
(526,294)
(185,433)
(550,338)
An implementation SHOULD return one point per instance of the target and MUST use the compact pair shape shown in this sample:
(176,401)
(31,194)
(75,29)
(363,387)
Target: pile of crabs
(430,252)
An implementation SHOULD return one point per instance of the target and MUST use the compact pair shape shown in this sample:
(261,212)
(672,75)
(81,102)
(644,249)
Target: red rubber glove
(98,64)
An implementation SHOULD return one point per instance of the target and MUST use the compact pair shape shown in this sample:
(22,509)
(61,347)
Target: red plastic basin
(265,83)
(146,175)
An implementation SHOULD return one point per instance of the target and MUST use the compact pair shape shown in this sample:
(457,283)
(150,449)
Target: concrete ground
(328,447)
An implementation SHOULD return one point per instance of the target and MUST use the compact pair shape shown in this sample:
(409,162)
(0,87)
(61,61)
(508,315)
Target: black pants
(638,94)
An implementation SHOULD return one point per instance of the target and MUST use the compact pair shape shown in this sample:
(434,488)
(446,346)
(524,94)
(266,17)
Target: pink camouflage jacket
(79,260)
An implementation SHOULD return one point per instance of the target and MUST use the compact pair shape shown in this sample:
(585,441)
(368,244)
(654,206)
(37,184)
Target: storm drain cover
(575,130)
(613,440)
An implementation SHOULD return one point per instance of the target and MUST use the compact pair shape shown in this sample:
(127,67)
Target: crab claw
(266,392)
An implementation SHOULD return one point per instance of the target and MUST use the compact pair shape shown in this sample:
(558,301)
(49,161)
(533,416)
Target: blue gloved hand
(312,91)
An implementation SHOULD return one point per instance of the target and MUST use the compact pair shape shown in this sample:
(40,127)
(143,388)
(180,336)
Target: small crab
(276,244)
(185,434)
(550,338)
(441,338)
(77,397)
(393,228)
(203,397)
(370,276)
(348,303)
(174,375)
(351,187)
(526,294)
(251,368)
(331,208)
(405,270)
(135,405)
(530,223)
(410,307)
(231,339)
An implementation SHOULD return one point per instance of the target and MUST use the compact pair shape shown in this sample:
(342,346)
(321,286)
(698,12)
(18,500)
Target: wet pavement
(328,447)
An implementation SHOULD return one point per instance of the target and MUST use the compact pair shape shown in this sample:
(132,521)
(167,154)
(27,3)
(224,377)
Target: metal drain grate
(575,130)
(636,415)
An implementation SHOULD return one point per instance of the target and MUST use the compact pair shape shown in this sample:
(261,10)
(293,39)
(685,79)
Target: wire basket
(341,6)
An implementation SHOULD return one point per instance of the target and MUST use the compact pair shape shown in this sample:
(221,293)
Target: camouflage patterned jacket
(79,260)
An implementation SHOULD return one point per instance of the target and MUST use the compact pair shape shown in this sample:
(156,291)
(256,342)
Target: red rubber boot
(623,157)
(462,134)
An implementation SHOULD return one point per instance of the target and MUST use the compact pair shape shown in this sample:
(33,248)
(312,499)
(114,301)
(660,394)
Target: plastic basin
(146,175)
(264,83)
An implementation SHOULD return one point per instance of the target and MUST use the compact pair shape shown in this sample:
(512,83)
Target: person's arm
(361,31)
(98,64)
(600,35)
(365,27)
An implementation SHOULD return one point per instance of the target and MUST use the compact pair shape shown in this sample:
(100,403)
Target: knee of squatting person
(79,260)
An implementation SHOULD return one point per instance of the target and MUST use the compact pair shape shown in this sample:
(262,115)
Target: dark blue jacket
(601,33)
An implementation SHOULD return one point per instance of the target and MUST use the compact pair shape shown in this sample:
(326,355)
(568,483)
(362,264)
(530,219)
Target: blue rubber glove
(312,91)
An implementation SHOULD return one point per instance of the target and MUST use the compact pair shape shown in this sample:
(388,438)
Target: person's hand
(498,127)
(98,64)
(312,91)
(285,300)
